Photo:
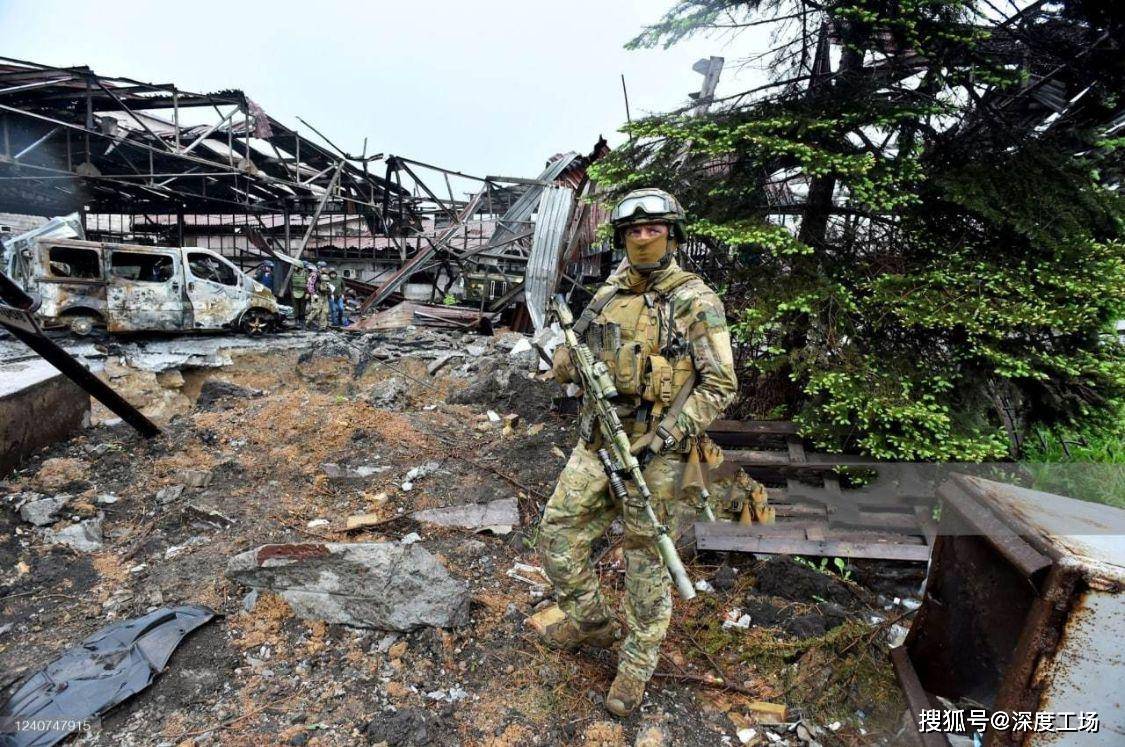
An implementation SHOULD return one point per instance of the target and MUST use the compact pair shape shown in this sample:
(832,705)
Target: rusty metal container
(1023,612)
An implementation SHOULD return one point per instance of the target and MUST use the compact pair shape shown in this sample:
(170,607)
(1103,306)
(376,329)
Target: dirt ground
(263,427)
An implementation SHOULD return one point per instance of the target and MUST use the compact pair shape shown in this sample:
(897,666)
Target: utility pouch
(628,368)
(682,370)
(658,383)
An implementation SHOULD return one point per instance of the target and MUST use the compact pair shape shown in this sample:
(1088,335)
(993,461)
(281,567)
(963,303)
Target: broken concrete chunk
(439,364)
(43,511)
(370,584)
(344,473)
(388,394)
(423,470)
(207,515)
(476,516)
(85,536)
(523,345)
(542,620)
(105,499)
(169,494)
(196,478)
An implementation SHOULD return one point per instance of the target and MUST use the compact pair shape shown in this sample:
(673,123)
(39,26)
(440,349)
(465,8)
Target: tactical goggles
(647,204)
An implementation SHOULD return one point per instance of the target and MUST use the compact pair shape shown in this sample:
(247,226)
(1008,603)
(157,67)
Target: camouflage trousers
(318,312)
(579,510)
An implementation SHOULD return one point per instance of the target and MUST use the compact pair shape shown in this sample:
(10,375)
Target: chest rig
(647,354)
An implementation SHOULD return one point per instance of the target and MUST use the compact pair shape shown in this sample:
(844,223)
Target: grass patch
(1088,464)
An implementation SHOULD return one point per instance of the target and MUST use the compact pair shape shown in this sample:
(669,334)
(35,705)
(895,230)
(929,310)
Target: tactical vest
(637,338)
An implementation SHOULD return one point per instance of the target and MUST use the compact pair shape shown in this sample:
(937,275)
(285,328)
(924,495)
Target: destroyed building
(193,561)
(152,164)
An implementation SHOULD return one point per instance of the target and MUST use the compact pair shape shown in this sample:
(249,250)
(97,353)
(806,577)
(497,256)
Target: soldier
(320,289)
(297,281)
(657,328)
(336,299)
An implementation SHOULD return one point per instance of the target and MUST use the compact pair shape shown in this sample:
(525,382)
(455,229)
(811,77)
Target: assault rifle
(616,454)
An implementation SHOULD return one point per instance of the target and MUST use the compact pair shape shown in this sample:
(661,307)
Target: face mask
(645,255)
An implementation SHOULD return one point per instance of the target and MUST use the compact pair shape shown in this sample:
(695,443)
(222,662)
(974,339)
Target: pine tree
(917,223)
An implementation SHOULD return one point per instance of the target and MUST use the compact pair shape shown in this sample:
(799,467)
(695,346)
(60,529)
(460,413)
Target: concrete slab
(38,406)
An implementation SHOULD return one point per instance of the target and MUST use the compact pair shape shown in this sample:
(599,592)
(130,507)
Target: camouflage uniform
(652,336)
(321,293)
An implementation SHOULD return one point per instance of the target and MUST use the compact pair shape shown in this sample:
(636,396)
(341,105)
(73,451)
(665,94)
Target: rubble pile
(362,521)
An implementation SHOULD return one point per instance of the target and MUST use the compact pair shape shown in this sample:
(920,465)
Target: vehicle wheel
(82,325)
(255,322)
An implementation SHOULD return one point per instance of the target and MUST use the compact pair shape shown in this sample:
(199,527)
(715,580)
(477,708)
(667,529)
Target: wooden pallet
(815,515)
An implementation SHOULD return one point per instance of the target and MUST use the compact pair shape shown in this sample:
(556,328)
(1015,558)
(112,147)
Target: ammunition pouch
(628,368)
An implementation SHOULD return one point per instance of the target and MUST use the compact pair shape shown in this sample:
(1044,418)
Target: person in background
(320,292)
(298,289)
(264,275)
(336,300)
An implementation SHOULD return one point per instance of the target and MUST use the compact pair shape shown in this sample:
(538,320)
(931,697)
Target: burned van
(133,288)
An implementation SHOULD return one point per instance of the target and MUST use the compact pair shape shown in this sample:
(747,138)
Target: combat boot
(625,694)
(569,635)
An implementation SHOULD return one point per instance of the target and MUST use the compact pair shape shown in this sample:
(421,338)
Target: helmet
(322,263)
(647,206)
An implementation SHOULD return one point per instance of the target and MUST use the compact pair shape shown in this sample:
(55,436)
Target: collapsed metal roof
(72,138)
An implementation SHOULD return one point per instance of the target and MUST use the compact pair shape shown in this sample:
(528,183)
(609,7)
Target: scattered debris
(542,620)
(105,669)
(389,394)
(169,494)
(361,521)
(769,713)
(214,391)
(43,511)
(343,473)
(497,516)
(84,536)
(373,585)
(735,618)
(196,478)
(206,515)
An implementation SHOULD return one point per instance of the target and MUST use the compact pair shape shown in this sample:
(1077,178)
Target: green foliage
(937,298)
(449,299)
(1087,462)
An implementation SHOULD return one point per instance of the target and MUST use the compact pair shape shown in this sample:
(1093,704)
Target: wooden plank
(814,462)
(752,427)
(796,450)
(724,536)
(797,527)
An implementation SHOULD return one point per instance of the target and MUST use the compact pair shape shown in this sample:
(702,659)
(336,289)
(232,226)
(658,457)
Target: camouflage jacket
(653,338)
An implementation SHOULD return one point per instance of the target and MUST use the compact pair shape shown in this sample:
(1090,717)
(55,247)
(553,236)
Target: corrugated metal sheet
(555,206)
(518,216)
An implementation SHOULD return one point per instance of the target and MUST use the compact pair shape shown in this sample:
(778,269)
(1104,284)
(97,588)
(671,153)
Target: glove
(563,366)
